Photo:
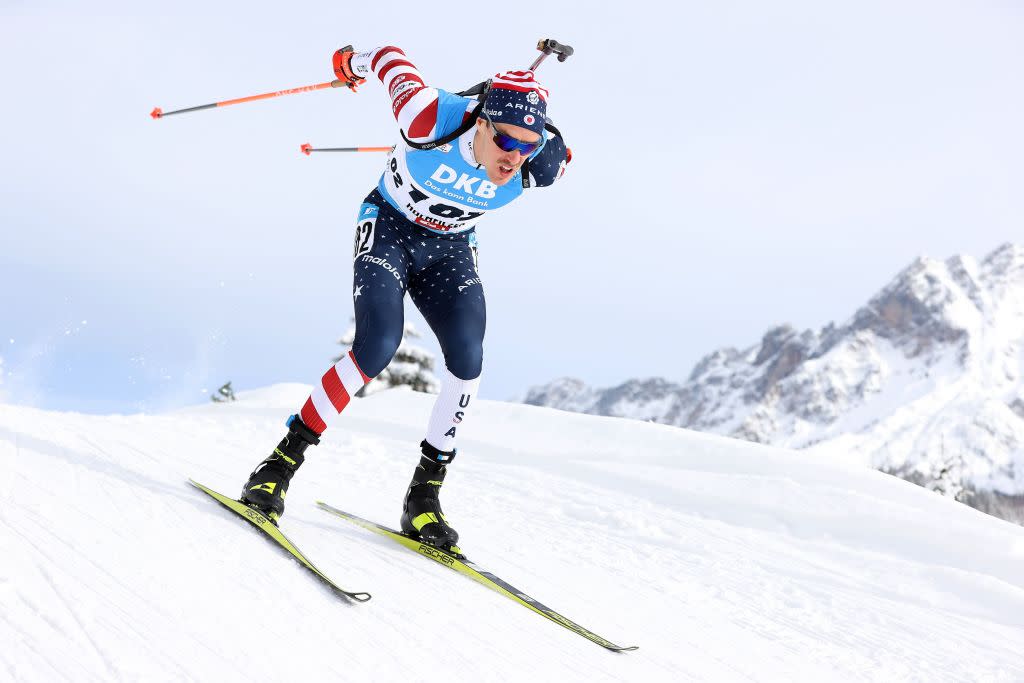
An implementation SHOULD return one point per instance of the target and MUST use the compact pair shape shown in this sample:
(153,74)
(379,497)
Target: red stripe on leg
(335,390)
(362,374)
(311,418)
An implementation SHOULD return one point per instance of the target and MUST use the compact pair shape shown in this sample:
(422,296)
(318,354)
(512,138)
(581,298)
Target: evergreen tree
(224,394)
(412,366)
(947,477)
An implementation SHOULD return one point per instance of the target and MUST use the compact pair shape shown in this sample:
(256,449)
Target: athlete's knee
(376,341)
(373,355)
(464,356)
(467,368)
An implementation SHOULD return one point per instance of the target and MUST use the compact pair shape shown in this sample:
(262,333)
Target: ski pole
(307,149)
(549,46)
(158,113)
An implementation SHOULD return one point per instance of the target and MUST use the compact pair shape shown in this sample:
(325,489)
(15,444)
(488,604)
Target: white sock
(450,410)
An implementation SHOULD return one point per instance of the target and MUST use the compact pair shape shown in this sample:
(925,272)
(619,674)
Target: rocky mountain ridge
(925,381)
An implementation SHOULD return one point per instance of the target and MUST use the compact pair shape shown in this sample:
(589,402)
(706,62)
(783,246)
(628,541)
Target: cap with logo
(517,99)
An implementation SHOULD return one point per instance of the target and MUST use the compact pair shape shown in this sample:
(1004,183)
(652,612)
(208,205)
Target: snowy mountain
(723,560)
(925,382)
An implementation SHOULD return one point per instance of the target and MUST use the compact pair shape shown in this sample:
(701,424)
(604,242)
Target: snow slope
(721,559)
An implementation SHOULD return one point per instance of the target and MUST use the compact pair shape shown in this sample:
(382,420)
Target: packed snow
(722,559)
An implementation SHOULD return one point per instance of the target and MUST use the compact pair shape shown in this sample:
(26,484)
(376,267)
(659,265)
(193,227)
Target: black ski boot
(268,484)
(422,517)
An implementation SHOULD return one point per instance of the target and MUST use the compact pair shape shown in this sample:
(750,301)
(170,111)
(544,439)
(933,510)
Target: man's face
(499,164)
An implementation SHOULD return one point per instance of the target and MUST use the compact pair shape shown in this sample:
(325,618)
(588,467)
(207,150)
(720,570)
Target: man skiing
(415,233)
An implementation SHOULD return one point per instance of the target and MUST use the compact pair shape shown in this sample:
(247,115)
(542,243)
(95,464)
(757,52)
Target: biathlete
(459,159)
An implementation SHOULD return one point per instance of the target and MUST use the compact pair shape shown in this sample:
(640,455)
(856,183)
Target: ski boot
(268,483)
(422,517)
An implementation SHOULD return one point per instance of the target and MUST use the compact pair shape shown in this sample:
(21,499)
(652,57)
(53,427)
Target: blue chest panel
(442,189)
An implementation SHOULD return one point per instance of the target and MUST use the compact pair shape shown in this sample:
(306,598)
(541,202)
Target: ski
(270,530)
(466,567)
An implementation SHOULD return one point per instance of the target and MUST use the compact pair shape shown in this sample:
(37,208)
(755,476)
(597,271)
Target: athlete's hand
(343,68)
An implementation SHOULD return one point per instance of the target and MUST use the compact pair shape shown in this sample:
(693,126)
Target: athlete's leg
(380,272)
(450,296)
(380,268)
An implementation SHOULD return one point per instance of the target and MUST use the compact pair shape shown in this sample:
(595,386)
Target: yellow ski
(464,566)
(264,524)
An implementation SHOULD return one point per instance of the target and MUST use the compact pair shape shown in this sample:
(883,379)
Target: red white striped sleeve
(413,103)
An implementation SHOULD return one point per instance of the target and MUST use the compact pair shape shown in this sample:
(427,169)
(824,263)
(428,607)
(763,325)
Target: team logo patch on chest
(461,183)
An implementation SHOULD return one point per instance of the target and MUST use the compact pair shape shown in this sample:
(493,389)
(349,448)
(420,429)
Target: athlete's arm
(550,162)
(414,104)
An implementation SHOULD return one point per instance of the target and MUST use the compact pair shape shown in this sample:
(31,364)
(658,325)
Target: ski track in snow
(721,559)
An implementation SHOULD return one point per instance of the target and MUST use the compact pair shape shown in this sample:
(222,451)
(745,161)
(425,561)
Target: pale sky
(737,165)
